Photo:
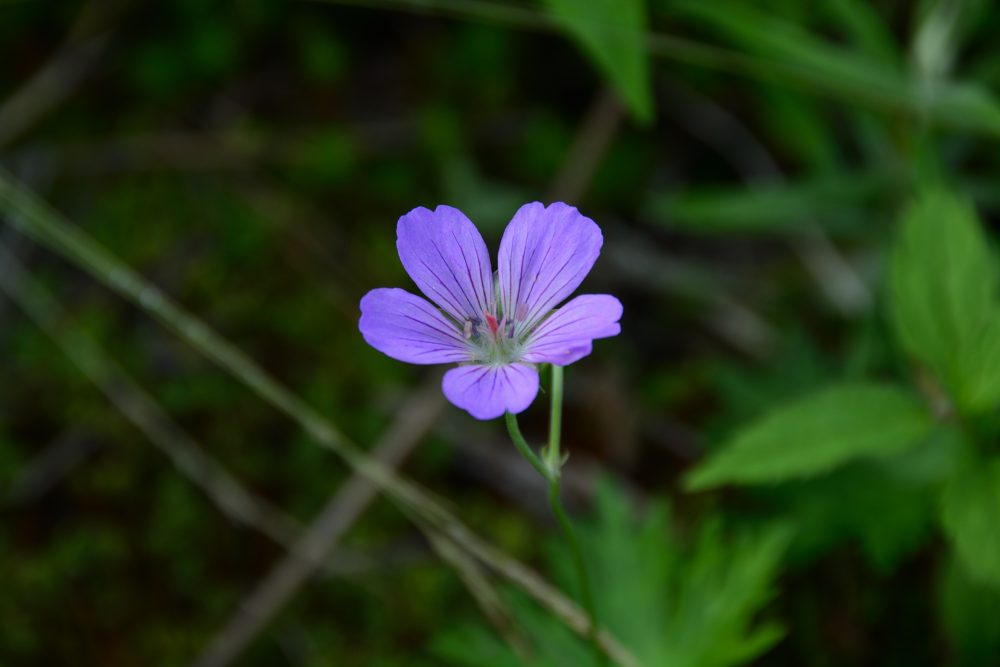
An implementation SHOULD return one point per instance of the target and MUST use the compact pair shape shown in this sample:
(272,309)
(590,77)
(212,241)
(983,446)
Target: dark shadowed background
(748,164)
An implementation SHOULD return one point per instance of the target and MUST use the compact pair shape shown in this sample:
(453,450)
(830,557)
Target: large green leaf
(816,434)
(943,289)
(970,514)
(613,33)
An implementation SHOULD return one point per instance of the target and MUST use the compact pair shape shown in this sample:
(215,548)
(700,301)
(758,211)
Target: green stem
(550,469)
(552,457)
(522,446)
(586,595)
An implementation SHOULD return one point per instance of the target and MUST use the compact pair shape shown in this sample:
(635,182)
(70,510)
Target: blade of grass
(345,506)
(140,408)
(482,591)
(65,71)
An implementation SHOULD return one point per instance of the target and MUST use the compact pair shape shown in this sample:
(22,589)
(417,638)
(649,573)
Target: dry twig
(413,421)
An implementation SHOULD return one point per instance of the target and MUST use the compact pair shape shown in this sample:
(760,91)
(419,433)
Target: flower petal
(486,392)
(407,327)
(545,254)
(446,256)
(566,335)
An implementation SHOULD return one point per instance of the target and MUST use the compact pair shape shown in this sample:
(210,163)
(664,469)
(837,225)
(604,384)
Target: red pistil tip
(494,325)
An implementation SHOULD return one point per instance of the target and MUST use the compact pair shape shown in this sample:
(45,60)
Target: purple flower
(496,330)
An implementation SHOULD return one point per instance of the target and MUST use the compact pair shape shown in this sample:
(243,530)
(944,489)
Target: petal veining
(446,256)
(486,392)
(409,328)
(566,335)
(545,254)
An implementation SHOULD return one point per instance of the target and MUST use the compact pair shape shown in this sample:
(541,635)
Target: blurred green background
(749,164)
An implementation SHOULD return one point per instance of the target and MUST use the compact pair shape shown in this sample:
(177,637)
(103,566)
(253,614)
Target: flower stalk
(522,446)
(549,466)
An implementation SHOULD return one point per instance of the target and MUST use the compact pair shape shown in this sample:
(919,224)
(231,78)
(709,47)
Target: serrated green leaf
(943,287)
(723,584)
(970,515)
(613,33)
(817,434)
(670,603)
(469,644)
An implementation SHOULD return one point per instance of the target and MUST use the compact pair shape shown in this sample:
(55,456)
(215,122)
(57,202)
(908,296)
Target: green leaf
(718,591)
(470,644)
(864,26)
(680,605)
(671,603)
(817,434)
(970,514)
(943,288)
(613,33)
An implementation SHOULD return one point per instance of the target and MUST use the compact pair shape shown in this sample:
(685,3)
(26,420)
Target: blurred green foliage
(613,32)
(942,301)
(799,202)
(673,604)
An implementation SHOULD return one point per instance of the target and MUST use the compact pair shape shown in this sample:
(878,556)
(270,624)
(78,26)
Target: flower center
(493,341)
